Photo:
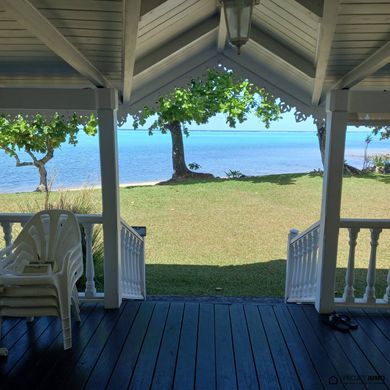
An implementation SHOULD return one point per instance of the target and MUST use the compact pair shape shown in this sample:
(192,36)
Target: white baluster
(313,269)
(294,283)
(128,262)
(134,270)
(309,264)
(123,259)
(290,262)
(304,265)
(369,295)
(386,297)
(142,265)
(139,270)
(7,230)
(349,291)
(300,268)
(90,289)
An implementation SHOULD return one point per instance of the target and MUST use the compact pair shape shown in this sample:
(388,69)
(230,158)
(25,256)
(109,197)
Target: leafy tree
(39,138)
(383,131)
(221,91)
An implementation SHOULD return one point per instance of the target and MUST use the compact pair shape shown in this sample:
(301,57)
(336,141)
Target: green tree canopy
(40,136)
(220,91)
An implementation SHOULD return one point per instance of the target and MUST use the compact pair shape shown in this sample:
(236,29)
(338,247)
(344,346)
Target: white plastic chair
(39,271)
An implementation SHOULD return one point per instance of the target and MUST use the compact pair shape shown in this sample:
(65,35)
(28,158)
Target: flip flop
(348,321)
(336,323)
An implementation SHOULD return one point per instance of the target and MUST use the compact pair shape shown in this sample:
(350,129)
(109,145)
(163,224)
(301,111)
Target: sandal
(348,321)
(336,323)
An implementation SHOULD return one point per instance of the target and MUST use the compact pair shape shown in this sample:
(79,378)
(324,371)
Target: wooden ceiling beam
(176,45)
(222,32)
(149,5)
(278,49)
(29,17)
(324,45)
(131,15)
(366,68)
(314,6)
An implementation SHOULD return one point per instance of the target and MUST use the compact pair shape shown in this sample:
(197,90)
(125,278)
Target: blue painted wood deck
(187,345)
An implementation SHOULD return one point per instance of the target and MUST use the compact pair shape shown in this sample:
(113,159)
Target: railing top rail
(364,223)
(138,231)
(306,231)
(24,217)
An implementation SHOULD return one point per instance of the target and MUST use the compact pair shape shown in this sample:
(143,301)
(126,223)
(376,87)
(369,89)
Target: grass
(228,237)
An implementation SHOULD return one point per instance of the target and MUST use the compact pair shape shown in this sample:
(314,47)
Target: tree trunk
(42,177)
(321,134)
(179,165)
(180,170)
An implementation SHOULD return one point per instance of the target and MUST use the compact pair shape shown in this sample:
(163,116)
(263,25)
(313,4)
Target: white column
(336,120)
(107,101)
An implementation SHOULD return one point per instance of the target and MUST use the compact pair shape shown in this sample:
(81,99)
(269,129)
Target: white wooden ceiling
(299,49)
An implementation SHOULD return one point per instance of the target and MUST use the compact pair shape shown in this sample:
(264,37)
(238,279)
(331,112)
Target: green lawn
(228,237)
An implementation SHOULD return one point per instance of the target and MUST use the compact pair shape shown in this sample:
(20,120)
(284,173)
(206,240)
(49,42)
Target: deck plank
(92,351)
(246,373)
(8,324)
(288,377)
(185,344)
(264,363)
(224,354)
(303,364)
(101,373)
(166,362)
(372,331)
(205,360)
(128,356)
(143,372)
(62,369)
(316,350)
(342,350)
(186,358)
(20,348)
(44,352)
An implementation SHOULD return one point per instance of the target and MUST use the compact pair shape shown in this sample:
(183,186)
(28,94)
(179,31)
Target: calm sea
(145,158)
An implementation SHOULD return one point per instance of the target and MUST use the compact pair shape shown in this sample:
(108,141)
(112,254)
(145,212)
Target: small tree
(221,91)
(39,138)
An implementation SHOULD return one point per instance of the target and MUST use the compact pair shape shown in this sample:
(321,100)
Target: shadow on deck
(166,344)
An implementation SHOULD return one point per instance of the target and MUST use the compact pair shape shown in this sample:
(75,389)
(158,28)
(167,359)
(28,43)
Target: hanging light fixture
(238,16)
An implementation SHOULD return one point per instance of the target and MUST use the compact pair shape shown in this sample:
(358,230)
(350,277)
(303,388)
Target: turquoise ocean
(144,158)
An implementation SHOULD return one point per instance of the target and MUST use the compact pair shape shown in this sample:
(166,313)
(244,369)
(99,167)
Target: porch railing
(302,262)
(132,250)
(302,258)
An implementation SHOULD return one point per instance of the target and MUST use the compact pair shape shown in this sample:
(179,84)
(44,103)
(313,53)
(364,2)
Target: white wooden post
(336,121)
(107,116)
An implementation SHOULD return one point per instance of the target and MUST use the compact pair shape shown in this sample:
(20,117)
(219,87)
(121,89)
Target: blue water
(145,158)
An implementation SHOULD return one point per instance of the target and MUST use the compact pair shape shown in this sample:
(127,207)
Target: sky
(287,123)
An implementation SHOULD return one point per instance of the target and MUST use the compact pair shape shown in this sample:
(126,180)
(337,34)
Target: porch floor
(203,345)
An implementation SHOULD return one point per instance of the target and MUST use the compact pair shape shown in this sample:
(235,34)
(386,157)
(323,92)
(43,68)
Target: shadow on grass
(258,279)
(282,179)
(263,279)
(374,176)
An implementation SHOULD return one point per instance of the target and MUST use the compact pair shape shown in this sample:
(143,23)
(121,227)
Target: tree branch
(28,151)
(18,163)
(49,155)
